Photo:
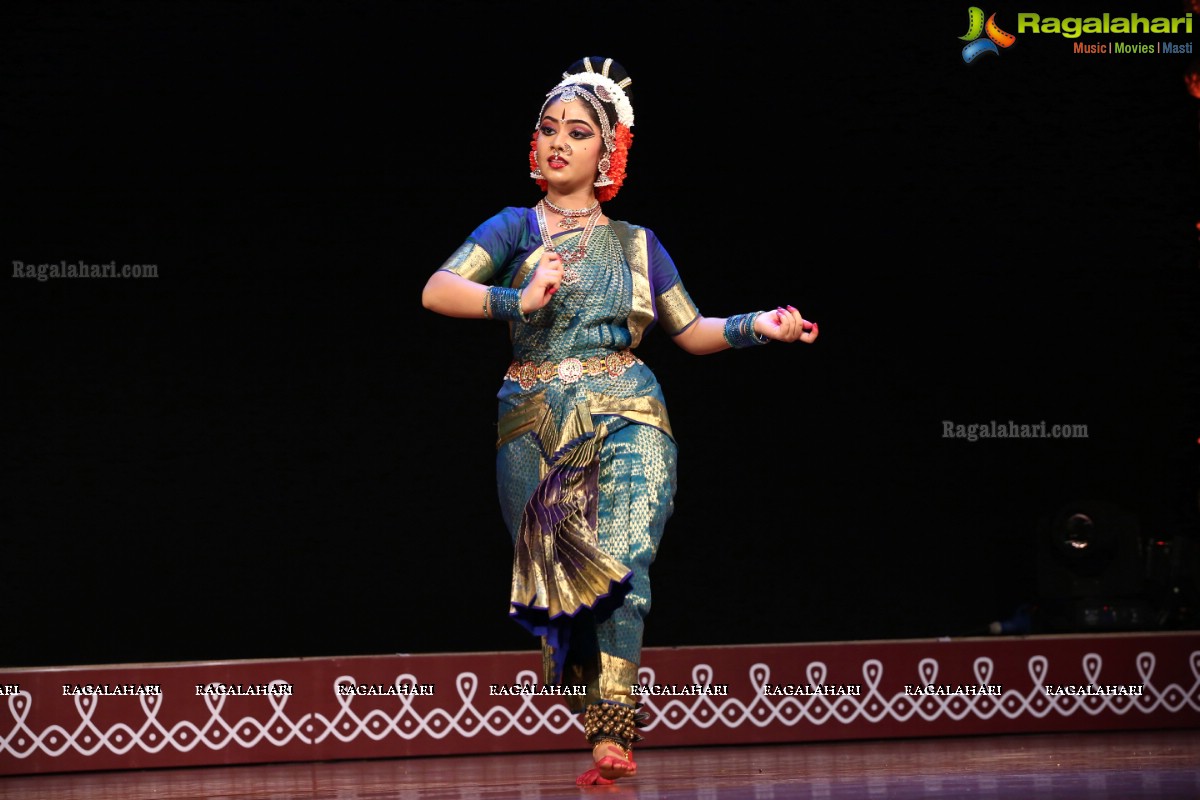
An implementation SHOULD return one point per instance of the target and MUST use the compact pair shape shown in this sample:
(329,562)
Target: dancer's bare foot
(611,728)
(613,761)
(592,778)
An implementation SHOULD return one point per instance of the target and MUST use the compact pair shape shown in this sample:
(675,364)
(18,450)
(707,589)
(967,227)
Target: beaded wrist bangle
(505,304)
(739,331)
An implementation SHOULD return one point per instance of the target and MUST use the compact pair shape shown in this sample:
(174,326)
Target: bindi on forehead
(572,107)
(565,121)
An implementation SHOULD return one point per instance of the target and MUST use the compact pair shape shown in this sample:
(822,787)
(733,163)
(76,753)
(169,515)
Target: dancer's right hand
(547,277)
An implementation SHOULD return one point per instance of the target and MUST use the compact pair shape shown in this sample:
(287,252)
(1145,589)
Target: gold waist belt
(569,370)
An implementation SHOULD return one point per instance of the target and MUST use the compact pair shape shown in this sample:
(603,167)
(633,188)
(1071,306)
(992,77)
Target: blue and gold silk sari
(586,460)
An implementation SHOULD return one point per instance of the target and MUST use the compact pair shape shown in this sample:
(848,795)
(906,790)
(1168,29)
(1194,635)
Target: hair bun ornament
(614,90)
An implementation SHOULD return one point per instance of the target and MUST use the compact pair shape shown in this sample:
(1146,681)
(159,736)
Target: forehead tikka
(572,93)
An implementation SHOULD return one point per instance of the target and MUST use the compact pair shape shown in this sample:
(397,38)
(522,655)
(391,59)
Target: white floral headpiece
(604,86)
(607,89)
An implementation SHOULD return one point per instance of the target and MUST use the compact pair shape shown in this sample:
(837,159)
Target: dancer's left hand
(786,325)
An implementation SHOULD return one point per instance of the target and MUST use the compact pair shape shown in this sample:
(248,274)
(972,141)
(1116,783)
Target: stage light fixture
(1092,570)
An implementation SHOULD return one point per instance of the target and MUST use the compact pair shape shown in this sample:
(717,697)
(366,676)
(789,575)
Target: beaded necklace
(570,216)
(576,253)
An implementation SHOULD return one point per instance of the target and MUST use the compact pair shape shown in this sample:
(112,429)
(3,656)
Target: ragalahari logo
(976,27)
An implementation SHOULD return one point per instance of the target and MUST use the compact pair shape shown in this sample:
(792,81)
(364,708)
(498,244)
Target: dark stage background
(272,449)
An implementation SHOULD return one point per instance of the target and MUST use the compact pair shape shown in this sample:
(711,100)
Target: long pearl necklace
(576,253)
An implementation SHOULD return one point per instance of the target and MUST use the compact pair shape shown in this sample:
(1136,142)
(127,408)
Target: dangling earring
(603,167)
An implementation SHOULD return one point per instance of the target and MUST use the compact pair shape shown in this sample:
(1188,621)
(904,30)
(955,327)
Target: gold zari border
(535,414)
(676,310)
(470,261)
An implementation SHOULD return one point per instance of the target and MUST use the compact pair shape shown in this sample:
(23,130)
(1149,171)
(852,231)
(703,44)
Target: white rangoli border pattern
(672,712)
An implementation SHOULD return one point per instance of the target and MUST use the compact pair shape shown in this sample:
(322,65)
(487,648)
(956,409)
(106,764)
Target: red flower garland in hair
(623,140)
(533,165)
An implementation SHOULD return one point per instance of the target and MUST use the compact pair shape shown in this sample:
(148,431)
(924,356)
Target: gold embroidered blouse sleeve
(472,262)
(676,310)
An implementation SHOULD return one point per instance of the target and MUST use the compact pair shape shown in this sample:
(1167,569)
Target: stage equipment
(1091,565)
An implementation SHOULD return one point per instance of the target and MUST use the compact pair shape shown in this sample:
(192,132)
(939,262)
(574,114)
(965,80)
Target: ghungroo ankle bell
(613,722)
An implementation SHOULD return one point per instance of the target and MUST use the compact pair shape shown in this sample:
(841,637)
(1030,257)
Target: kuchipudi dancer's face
(569,146)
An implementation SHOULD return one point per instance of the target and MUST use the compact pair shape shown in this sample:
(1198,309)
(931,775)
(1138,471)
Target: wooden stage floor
(1109,764)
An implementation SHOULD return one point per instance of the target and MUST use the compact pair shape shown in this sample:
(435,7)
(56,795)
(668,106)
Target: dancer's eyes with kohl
(575,133)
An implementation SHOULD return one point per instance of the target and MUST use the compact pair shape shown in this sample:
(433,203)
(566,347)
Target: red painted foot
(615,762)
(592,778)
